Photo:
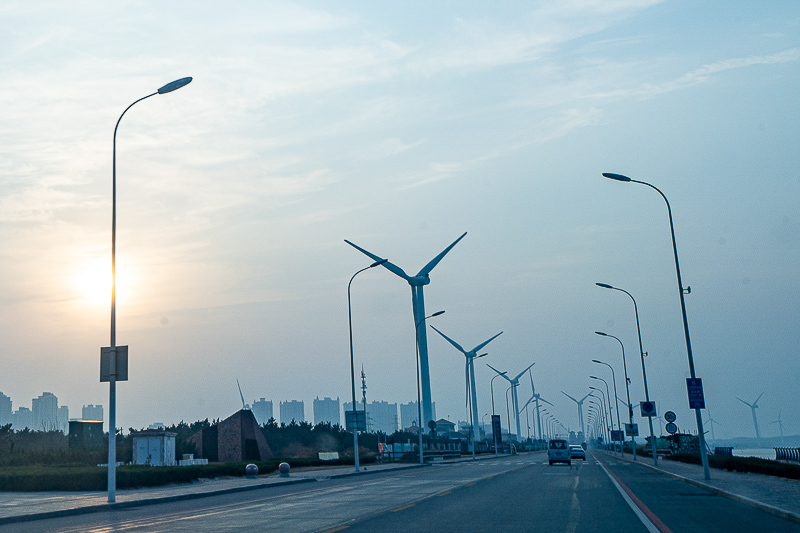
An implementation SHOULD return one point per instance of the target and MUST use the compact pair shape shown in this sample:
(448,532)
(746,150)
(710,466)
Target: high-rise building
(22,418)
(382,416)
(327,410)
(62,419)
(45,412)
(409,415)
(262,409)
(6,410)
(92,412)
(292,410)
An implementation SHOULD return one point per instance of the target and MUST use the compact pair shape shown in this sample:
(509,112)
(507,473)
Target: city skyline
(308,124)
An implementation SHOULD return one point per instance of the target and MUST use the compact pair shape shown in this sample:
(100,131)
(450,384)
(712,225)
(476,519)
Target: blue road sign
(671,428)
(497,431)
(648,409)
(670,416)
(694,386)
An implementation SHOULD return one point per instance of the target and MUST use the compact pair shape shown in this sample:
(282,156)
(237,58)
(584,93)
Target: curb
(771,509)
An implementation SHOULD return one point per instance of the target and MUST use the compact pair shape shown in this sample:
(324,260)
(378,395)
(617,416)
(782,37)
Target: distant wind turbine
(780,426)
(711,422)
(536,396)
(753,406)
(580,409)
(471,355)
(514,384)
(244,405)
(418,302)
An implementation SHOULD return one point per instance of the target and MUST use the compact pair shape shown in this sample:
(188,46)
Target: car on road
(577,452)
(558,452)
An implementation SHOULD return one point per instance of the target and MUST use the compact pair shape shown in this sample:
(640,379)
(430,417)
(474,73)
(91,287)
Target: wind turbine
(471,355)
(753,406)
(536,396)
(711,422)
(418,302)
(580,409)
(514,384)
(780,426)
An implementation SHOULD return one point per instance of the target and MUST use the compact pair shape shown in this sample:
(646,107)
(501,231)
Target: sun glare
(94,282)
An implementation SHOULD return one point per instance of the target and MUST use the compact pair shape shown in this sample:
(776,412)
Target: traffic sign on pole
(648,409)
(694,386)
(671,428)
(670,416)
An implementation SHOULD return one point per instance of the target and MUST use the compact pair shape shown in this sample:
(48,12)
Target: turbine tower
(536,397)
(418,302)
(753,406)
(514,384)
(780,425)
(470,364)
(580,409)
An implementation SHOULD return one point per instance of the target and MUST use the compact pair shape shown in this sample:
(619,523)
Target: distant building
(6,410)
(92,412)
(45,412)
(262,409)
(237,438)
(409,414)
(444,426)
(86,434)
(292,410)
(156,426)
(62,419)
(326,410)
(22,418)
(382,416)
(154,447)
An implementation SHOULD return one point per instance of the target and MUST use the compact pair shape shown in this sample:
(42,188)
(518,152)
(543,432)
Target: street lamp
(698,415)
(607,399)
(352,364)
(419,404)
(630,411)
(112,351)
(491,387)
(644,371)
(627,387)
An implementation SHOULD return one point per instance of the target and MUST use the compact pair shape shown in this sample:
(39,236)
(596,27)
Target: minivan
(558,452)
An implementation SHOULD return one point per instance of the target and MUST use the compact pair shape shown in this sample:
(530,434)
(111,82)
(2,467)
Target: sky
(399,127)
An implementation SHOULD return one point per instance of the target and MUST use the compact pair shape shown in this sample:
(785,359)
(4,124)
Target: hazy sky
(399,127)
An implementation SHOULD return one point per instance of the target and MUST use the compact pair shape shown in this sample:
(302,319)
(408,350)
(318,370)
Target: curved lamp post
(491,388)
(627,386)
(644,371)
(112,362)
(681,290)
(419,404)
(630,411)
(352,365)
(607,399)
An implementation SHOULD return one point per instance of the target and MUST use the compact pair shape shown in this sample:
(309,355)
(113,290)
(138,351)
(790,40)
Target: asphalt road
(518,493)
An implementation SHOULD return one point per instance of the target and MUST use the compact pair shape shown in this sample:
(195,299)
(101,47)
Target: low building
(154,447)
(86,434)
(237,438)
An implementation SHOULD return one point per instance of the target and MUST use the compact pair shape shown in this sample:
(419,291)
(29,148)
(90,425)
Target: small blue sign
(694,386)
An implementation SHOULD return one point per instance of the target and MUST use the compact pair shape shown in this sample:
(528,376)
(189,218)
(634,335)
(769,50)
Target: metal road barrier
(725,451)
(787,454)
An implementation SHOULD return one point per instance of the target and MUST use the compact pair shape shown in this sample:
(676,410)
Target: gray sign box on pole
(122,363)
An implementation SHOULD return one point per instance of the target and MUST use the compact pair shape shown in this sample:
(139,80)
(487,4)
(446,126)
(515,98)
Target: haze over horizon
(400,127)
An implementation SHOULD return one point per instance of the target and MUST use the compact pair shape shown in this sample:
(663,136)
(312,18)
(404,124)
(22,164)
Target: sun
(93,281)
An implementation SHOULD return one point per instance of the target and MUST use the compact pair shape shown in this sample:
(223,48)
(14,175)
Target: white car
(558,452)
(577,452)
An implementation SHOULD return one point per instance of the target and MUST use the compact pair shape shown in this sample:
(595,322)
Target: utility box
(86,435)
(154,448)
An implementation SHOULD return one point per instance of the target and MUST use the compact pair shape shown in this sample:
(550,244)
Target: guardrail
(725,451)
(787,454)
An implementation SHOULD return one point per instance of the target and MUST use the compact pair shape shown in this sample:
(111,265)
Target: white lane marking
(646,521)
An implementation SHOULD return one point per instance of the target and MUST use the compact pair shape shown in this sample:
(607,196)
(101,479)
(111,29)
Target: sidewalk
(26,506)
(776,495)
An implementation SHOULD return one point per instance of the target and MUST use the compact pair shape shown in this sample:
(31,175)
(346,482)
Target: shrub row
(743,464)
(95,478)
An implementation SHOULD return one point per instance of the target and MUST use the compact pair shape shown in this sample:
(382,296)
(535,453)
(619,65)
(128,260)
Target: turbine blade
(545,401)
(389,266)
(435,261)
(498,372)
(755,403)
(478,347)
(533,390)
(582,399)
(744,402)
(451,341)
(568,396)
(520,374)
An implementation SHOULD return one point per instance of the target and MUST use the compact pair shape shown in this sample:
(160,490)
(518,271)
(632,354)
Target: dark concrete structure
(86,434)
(237,438)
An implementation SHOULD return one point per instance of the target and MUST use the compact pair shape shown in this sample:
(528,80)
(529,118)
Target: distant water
(762,453)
